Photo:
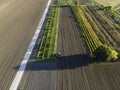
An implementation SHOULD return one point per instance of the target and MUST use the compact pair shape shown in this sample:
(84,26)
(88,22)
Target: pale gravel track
(18,22)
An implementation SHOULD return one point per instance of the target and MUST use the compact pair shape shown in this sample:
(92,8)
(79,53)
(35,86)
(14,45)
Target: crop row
(91,38)
(107,27)
(48,45)
(98,29)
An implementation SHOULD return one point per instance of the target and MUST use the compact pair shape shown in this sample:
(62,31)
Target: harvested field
(18,22)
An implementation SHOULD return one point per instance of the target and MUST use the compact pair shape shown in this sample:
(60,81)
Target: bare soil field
(18,22)
(39,76)
(74,71)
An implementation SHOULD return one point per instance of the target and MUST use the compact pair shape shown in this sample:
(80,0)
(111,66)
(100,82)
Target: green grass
(117,14)
(48,45)
(89,35)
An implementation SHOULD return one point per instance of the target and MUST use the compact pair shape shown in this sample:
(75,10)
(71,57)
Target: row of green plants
(48,45)
(110,11)
(108,27)
(64,2)
(99,29)
(91,38)
(97,50)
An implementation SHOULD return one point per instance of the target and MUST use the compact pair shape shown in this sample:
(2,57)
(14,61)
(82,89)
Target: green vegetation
(105,53)
(108,10)
(96,48)
(91,38)
(64,2)
(110,7)
(76,2)
(48,45)
(112,3)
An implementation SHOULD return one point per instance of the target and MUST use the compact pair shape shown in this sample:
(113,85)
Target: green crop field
(89,35)
(114,3)
(48,46)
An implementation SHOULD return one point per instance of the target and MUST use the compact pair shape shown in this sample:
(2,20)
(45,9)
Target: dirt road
(18,22)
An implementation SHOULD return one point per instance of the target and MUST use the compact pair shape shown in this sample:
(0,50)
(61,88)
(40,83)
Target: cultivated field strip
(106,27)
(17,26)
(47,48)
(95,26)
(91,38)
(74,71)
(74,54)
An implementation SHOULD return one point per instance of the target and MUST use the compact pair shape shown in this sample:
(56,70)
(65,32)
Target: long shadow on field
(61,63)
